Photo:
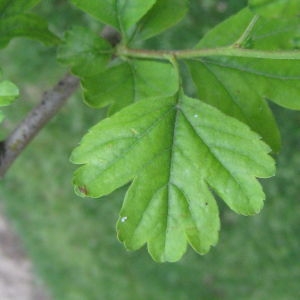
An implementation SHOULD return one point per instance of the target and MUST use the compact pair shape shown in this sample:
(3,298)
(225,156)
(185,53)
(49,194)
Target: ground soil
(17,279)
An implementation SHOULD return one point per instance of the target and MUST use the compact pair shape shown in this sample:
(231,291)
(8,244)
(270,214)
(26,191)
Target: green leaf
(275,8)
(8,93)
(15,23)
(25,25)
(86,52)
(13,7)
(174,150)
(129,82)
(164,14)
(119,83)
(239,86)
(121,14)
(265,34)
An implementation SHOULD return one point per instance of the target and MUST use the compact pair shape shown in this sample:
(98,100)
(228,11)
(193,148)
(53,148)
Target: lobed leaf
(174,150)
(15,22)
(239,86)
(275,8)
(128,82)
(121,14)
(119,83)
(86,52)
(25,25)
(163,14)
(265,34)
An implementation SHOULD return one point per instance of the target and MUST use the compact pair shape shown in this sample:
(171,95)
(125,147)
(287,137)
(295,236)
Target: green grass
(72,241)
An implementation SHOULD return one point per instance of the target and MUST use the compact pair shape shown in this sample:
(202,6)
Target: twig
(50,104)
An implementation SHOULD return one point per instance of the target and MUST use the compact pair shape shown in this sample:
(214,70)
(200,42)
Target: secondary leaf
(276,8)
(265,34)
(13,7)
(240,86)
(14,22)
(174,150)
(8,92)
(121,14)
(163,14)
(25,25)
(128,82)
(119,83)
(86,52)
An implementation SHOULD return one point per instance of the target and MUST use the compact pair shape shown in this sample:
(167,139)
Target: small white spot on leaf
(123,219)
(196,116)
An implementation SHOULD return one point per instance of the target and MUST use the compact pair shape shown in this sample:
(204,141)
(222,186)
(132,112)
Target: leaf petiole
(230,51)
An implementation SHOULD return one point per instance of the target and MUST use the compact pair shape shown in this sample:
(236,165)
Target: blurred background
(72,241)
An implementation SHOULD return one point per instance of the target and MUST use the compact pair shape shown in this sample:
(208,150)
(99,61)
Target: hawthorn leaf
(275,8)
(226,82)
(86,52)
(15,22)
(128,82)
(275,34)
(163,14)
(13,7)
(174,150)
(121,14)
(265,34)
(26,25)
(8,92)
(117,83)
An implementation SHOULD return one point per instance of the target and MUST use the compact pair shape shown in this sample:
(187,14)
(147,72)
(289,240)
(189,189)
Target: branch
(50,104)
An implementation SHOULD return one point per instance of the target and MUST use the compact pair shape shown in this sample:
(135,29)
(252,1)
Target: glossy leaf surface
(174,150)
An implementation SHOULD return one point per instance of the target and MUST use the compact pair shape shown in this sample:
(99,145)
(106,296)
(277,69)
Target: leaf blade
(86,52)
(163,14)
(169,202)
(13,7)
(275,8)
(117,13)
(128,82)
(8,93)
(26,25)
(227,89)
